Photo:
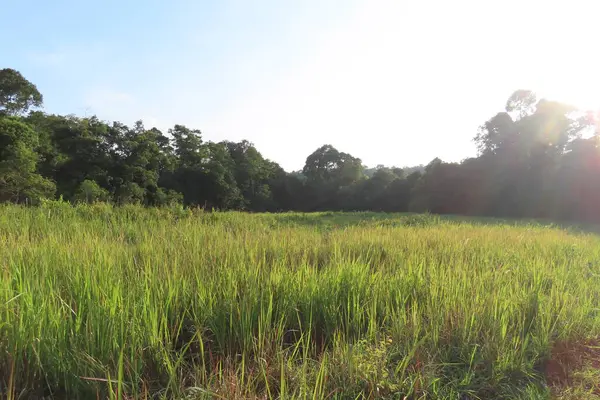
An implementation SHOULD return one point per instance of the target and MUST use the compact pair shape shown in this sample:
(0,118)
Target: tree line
(537,159)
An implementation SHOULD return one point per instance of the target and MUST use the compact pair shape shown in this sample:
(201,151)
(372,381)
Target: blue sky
(390,81)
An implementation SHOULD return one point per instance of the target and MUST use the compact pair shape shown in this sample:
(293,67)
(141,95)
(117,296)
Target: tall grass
(97,302)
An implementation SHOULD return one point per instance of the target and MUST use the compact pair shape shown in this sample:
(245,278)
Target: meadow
(99,302)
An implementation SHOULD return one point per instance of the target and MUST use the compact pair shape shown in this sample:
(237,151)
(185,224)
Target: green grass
(97,302)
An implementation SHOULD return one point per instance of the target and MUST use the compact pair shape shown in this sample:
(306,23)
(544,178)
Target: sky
(392,82)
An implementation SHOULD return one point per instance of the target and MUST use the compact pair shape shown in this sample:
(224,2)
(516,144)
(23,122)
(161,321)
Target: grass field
(97,302)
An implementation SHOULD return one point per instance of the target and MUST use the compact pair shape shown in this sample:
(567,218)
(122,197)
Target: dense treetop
(537,158)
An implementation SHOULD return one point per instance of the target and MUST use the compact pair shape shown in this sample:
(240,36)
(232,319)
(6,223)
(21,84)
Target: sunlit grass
(168,303)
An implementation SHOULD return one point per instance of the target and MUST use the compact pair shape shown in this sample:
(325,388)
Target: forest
(538,158)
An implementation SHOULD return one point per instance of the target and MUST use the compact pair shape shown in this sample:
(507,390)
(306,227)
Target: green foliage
(173,302)
(90,192)
(17,94)
(19,181)
(252,174)
(330,176)
(329,166)
(538,159)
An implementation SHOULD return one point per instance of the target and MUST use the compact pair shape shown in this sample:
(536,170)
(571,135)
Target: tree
(89,192)
(328,165)
(521,150)
(496,134)
(218,179)
(187,174)
(73,149)
(188,146)
(17,94)
(398,193)
(371,194)
(287,190)
(576,187)
(521,103)
(328,171)
(436,191)
(142,155)
(19,181)
(537,158)
(252,173)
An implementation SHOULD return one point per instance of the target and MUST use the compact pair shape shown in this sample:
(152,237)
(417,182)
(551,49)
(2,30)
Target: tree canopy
(537,158)
(17,94)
